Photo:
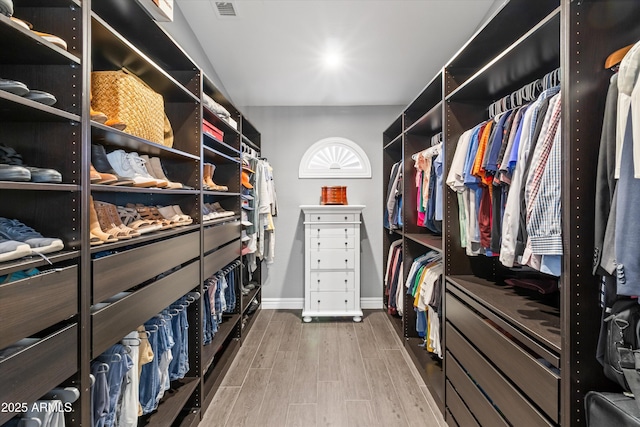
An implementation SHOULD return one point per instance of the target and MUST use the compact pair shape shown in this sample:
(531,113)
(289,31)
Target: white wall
(286,133)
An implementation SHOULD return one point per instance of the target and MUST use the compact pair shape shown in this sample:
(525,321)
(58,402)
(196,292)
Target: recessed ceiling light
(332,59)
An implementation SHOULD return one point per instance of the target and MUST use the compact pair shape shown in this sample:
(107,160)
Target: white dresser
(332,261)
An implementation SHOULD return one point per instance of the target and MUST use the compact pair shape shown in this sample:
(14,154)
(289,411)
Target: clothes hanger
(66,394)
(616,57)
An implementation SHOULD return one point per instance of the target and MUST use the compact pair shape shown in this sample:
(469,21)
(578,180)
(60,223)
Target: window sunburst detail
(335,158)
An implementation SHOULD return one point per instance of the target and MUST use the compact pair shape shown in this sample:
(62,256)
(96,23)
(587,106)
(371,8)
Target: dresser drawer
(331,217)
(333,242)
(332,260)
(332,301)
(330,230)
(536,381)
(331,280)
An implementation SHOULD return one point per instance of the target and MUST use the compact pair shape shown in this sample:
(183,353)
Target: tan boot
(94,225)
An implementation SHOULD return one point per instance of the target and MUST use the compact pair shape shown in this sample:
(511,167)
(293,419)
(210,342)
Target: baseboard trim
(283,303)
(366,303)
(371,303)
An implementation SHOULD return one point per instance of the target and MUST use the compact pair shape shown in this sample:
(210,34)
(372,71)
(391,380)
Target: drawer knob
(345,301)
(345,230)
(345,218)
(318,301)
(318,243)
(318,218)
(318,280)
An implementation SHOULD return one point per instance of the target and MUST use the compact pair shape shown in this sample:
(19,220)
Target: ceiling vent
(225,9)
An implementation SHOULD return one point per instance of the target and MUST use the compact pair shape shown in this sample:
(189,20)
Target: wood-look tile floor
(324,373)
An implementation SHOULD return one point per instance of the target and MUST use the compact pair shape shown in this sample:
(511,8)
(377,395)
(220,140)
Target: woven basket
(124,97)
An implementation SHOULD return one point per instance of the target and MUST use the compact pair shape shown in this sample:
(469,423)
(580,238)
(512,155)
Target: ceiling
(271,52)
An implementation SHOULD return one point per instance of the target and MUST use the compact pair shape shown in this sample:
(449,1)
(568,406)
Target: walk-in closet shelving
(511,357)
(42,311)
(514,380)
(421,120)
(91,297)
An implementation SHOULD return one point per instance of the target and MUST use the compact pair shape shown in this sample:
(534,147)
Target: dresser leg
(357,319)
(306,319)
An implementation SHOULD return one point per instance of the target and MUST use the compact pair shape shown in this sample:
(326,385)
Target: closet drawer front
(332,260)
(220,258)
(116,273)
(331,217)
(540,384)
(112,323)
(515,407)
(38,368)
(332,301)
(479,406)
(458,409)
(218,235)
(30,305)
(331,280)
(333,243)
(331,230)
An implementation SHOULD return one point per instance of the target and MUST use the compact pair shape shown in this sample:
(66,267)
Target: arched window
(335,157)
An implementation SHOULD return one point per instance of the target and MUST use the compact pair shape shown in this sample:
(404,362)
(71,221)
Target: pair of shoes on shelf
(12,168)
(151,213)
(133,167)
(48,37)
(214,211)
(18,88)
(18,240)
(132,219)
(175,214)
(155,169)
(102,118)
(207,179)
(105,224)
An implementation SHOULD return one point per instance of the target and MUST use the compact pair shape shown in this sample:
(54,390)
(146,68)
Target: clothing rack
(525,94)
(248,151)
(434,147)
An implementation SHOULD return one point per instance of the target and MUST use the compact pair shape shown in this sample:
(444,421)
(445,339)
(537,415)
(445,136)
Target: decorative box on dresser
(332,261)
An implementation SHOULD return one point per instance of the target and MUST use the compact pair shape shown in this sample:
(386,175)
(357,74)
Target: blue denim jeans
(99,394)
(150,375)
(179,365)
(119,363)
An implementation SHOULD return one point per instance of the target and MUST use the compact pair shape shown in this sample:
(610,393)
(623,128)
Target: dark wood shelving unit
(246,299)
(430,241)
(90,297)
(513,357)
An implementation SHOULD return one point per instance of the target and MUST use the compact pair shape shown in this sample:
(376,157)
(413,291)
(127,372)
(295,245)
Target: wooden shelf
(27,48)
(529,58)
(394,144)
(246,300)
(428,240)
(429,367)
(146,238)
(171,404)
(35,186)
(215,144)
(508,24)
(534,318)
(109,136)
(429,123)
(15,108)
(111,51)
(34,261)
(220,157)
